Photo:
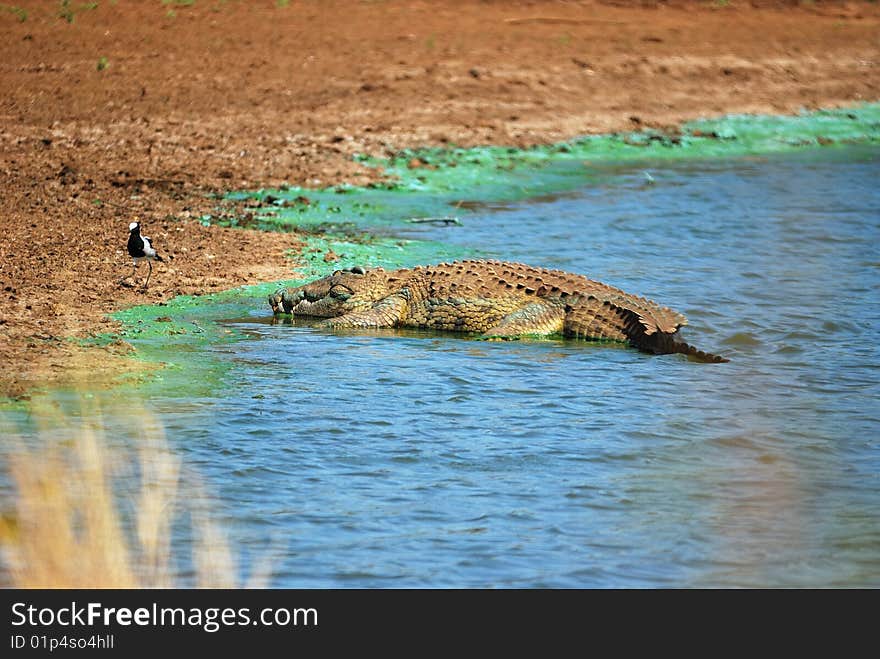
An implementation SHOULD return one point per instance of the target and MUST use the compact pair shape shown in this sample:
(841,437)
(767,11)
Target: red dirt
(151,112)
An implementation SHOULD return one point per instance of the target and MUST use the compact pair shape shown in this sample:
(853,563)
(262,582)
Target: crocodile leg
(535,319)
(387,312)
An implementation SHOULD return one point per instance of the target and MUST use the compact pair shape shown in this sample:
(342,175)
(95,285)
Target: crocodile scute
(497,299)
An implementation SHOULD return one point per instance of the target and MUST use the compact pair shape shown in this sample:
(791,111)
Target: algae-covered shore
(226,121)
(343,226)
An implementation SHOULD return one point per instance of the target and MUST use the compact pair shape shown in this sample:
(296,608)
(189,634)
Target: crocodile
(497,299)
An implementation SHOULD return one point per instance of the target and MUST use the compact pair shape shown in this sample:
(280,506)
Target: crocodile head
(342,292)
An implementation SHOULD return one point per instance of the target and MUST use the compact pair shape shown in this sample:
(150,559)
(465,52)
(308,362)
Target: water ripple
(408,460)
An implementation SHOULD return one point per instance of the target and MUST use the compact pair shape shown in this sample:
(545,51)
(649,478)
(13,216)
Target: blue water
(405,459)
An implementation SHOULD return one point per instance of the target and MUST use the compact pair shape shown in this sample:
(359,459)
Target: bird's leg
(147,283)
(133,269)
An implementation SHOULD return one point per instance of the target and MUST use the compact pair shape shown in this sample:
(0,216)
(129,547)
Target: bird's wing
(148,247)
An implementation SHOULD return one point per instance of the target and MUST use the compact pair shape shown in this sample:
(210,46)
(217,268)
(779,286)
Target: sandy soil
(145,111)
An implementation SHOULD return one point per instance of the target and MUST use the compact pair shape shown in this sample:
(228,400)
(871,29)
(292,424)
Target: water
(405,459)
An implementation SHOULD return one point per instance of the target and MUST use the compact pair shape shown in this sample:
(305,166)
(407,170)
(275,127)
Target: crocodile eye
(340,292)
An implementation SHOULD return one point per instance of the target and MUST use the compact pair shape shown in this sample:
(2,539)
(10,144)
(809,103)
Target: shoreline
(160,347)
(154,136)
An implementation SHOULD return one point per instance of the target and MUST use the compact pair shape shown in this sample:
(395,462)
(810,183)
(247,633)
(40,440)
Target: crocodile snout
(283,300)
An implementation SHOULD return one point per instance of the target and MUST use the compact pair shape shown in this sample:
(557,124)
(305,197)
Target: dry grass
(68,527)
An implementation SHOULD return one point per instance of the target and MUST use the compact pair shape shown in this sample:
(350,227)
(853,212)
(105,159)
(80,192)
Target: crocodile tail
(699,355)
(593,318)
(662,343)
(645,337)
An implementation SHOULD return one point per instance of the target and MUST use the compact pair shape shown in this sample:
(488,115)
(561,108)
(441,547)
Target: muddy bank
(149,111)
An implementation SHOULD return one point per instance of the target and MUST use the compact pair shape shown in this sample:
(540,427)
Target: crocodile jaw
(304,307)
(296,302)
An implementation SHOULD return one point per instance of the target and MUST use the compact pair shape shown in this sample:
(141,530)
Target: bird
(139,248)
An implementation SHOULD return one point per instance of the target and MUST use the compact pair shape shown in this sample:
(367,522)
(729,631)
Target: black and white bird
(140,248)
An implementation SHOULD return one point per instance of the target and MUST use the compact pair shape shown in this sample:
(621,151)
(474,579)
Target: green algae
(455,169)
(187,335)
(447,181)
